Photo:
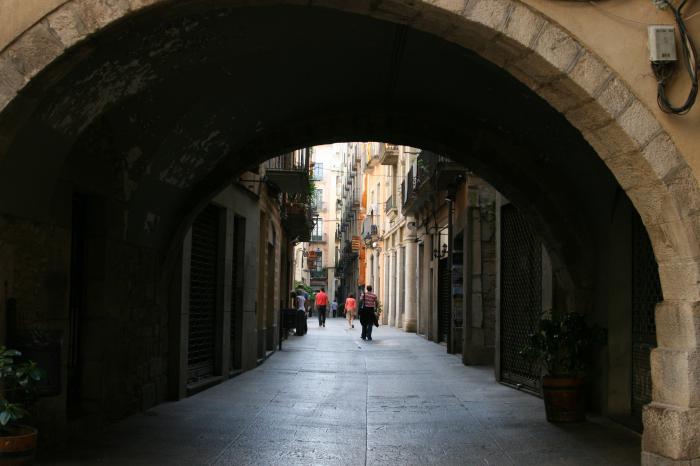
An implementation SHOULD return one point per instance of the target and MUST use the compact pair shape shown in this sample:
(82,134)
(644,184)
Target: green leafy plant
(562,343)
(18,380)
(307,288)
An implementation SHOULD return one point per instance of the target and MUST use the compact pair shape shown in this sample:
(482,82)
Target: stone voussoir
(523,25)
(639,123)
(34,50)
(490,13)
(590,73)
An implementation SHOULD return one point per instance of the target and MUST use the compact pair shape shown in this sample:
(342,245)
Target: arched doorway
(157,107)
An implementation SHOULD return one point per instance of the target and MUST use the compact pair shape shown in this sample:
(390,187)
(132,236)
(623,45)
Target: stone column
(410,304)
(672,420)
(397,287)
(391,287)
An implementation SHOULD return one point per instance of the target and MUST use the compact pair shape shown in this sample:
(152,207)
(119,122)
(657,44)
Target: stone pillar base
(651,459)
(410,325)
(671,435)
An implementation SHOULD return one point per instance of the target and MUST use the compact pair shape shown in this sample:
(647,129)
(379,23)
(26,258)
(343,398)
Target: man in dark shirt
(369,304)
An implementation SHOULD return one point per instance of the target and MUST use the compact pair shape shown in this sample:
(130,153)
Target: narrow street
(330,398)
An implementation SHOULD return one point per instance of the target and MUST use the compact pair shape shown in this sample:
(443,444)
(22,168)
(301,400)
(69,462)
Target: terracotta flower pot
(564,398)
(19,448)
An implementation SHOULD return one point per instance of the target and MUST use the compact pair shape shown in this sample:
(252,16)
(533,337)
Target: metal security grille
(203,286)
(646,293)
(443,300)
(521,296)
(237,275)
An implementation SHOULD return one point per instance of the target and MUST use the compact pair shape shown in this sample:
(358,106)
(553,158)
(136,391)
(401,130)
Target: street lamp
(440,254)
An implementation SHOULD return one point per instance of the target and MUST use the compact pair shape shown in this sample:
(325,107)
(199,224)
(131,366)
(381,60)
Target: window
(318,200)
(317,233)
(318,171)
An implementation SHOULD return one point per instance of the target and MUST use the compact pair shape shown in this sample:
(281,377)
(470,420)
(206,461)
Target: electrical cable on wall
(664,69)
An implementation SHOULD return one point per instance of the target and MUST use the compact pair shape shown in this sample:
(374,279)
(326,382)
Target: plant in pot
(561,347)
(18,380)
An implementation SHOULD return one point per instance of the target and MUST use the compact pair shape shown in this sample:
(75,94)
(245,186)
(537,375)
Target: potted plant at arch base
(17,391)
(561,347)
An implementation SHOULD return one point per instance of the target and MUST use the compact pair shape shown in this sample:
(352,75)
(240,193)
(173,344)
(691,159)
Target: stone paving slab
(330,398)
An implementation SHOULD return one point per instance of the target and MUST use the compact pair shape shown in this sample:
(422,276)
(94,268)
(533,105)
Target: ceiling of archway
(159,111)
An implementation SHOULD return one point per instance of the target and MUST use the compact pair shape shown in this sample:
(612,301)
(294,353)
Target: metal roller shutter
(444,301)
(521,296)
(203,288)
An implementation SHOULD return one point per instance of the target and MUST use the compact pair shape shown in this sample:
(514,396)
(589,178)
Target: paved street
(331,398)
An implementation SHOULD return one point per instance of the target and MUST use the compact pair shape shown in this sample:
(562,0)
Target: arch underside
(159,111)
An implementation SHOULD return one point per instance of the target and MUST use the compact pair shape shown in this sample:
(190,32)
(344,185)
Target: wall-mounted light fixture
(440,254)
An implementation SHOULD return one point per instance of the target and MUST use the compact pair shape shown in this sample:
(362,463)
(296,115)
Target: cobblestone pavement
(330,398)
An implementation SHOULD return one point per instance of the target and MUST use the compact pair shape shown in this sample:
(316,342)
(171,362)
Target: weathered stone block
(610,141)
(563,94)
(670,241)
(684,188)
(590,73)
(491,13)
(557,48)
(34,50)
(589,116)
(679,280)
(675,375)
(652,201)
(68,24)
(523,25)
(639,123)
(678,324)
(630,170)
(99,13)
(651,459)
(614,97)
(662,155)
(137,4)
(11,81)
(671,432)
(395,11)
(502,50)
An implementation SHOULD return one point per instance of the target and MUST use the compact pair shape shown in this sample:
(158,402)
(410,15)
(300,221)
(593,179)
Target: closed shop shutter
(203,292)
(521,296)
(444,302)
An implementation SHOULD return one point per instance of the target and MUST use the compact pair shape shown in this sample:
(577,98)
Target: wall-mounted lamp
(440,254)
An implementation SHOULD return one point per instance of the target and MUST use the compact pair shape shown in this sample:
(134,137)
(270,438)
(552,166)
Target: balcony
(319,274)
(443,169)
(409,192)
(373,155)
(390,207)
(389,155)
(297,216)
(289,172)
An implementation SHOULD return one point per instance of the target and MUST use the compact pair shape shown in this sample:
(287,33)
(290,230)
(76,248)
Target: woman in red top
(350,306)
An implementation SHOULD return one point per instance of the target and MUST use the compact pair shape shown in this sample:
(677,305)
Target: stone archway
(552,63)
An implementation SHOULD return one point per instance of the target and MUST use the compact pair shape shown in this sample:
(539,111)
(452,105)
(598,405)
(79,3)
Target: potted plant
(18,381)
(560,348)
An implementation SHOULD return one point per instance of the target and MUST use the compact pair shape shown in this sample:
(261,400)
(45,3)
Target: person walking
(334,307)
(369,305)
(350,306)
(321,307)
(301,301)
